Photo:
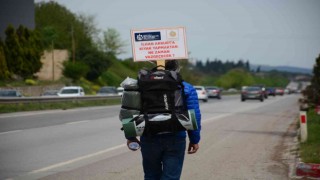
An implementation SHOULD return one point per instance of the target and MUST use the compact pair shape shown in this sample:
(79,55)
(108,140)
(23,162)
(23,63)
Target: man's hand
(132,140)
(193,148)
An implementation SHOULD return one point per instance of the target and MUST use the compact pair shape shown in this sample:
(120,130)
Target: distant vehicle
(213,92)
(271,91)
(232,90)
(71,91)
(107,91)
(120,91)
(263,88)
(10,93)
(279,91)
(202,93)
(50,93)
(252,92)
(243,88)
(287,91)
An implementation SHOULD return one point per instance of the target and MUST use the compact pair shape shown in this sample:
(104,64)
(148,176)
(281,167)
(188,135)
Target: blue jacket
(192,103)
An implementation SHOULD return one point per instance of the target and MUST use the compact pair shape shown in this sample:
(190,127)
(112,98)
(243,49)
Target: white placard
(159,44)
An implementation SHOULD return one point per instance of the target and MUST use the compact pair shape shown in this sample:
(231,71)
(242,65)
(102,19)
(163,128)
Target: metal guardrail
(44,99)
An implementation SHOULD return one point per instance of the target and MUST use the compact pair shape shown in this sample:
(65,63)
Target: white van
(71,91)
(202,93)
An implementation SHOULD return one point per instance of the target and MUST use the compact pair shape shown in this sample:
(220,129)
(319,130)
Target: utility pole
(73,45)
(52,60)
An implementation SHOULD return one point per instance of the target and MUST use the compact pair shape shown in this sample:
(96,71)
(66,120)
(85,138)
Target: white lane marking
(77,159)
(9,132)
(78,122)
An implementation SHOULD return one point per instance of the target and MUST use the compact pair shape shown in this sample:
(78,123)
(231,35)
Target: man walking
(163,153)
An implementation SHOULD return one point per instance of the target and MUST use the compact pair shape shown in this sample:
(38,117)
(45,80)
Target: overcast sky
(265,32)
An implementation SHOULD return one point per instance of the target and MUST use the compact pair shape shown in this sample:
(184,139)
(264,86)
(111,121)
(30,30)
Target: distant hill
(281,68)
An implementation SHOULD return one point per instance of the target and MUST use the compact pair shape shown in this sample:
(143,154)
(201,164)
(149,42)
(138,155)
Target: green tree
(96,60)
(87,25)
(31,51)
(13,51)
(54,16)
(188,73)
(112,42)
(75,71)
(313,90)
(235,78)
(70,29)
(49,36)
(4,72)
(247,65)
(23,50)
(316,78)
(76,33)
(258,69)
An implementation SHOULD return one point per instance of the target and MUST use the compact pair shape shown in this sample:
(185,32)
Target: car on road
(107,91)
(71,91)
(202,93)
(232,90)
(279,91)
(213,92)
(252,92)
(271,91)
(263,88)
(10,93)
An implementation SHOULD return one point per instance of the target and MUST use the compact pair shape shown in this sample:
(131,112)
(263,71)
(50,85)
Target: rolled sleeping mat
(131,100)
(128,113)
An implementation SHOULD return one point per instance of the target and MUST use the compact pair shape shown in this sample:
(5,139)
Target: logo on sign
(147,36)
(173,34)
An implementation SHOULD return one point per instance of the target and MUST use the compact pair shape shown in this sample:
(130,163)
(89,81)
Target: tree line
(217,66)
(93,54)
(312,92)
(20,53)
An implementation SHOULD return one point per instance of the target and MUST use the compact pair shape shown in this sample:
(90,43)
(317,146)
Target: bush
(110,79)
(30,82)
(86,85)
(75,70)
(95,88)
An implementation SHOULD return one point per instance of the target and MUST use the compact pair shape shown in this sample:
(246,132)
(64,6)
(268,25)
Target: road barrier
(308,170)
(303,126)
(44,99)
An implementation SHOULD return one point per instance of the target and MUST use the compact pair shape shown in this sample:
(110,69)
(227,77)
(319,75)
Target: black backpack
(162,95)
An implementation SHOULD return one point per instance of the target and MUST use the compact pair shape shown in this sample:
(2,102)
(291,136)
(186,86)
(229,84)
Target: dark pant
(163,156)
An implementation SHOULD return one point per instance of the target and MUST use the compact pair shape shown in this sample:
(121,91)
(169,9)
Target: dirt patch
(286,152)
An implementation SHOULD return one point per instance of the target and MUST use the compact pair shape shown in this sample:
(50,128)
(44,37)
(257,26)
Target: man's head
(172,65)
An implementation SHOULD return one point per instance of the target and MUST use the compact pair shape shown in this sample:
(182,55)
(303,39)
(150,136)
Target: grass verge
(7,108)
(310,150)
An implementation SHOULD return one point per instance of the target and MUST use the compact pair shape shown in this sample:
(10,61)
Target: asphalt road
(240,140)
